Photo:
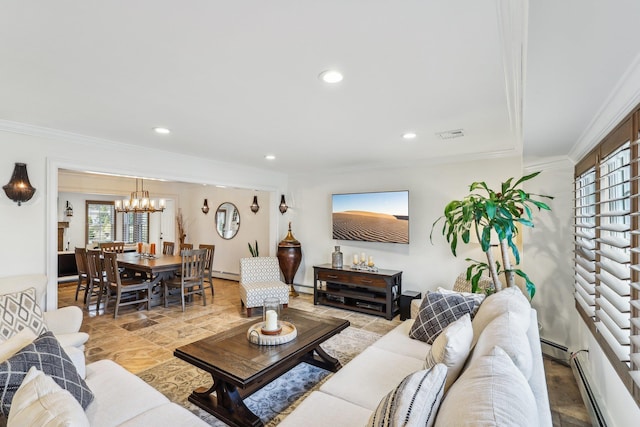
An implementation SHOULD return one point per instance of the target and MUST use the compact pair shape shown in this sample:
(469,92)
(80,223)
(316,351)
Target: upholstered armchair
(64,322)
(259,279)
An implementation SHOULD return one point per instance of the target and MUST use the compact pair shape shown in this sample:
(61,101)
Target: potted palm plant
(485,211)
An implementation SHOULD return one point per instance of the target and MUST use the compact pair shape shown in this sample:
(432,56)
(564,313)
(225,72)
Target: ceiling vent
(451,134)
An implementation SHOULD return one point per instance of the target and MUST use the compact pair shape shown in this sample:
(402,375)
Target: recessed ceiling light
(409,135)
(331,76)
(163,131)
(270,157)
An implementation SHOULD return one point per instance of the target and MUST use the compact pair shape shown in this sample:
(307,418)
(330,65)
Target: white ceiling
(236,80)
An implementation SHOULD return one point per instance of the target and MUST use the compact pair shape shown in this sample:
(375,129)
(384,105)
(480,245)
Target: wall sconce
(19,189)
(68,211)
(254,206)
(205,207)
(283,205)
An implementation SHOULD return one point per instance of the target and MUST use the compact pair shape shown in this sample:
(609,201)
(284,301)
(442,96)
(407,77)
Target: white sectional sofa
(351,395)
(120,397)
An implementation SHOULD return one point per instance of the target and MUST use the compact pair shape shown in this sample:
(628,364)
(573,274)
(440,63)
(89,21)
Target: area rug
(176,379)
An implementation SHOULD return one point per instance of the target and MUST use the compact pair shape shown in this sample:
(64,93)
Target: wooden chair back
(94,266)
(81,260)
(117,247)
(112,272)
(185,247)
(193,265)
(168,248)
(210,252)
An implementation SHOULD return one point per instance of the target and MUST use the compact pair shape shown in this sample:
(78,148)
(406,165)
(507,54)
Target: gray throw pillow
(46,354)
(437,311)
(19,310)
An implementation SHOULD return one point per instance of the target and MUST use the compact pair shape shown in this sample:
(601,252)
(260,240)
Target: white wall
(548,252)
(31,228)
(425,266)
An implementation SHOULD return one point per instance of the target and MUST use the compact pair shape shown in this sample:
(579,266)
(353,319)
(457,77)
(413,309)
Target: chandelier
(139,202)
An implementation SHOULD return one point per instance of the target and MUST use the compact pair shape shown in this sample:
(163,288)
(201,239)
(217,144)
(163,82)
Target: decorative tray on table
(256,335)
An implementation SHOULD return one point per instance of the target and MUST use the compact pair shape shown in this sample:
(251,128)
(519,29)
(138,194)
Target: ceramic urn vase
(289,257)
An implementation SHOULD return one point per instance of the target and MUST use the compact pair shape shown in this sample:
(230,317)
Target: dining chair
(112,247)
(186,246)
(208,265)
(83,277)
(130,288)
(95,271)
(168,248)
(191,279)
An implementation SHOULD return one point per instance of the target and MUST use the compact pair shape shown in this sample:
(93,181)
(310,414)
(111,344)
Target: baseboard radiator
(579,366)
(555,351)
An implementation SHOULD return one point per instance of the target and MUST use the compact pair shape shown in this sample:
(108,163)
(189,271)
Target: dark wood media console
(368,292)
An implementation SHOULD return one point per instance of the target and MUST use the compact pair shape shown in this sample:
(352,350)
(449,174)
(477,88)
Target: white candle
(363,257)
(370,261)
(355,259)
(271,323)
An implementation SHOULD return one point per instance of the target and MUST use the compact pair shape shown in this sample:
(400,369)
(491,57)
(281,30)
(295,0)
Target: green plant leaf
(531,288)
(506,185)
(541,205)
(490,208)
(526,178)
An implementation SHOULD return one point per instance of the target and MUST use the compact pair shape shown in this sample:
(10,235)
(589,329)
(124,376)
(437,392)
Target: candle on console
(271,324)
(370,261)
(355,259)
(363,257)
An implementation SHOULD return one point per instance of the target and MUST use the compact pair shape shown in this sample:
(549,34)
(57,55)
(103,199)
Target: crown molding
(559,162)
(624,97)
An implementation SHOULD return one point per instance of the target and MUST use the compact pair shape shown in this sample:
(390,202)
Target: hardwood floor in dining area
(141,339)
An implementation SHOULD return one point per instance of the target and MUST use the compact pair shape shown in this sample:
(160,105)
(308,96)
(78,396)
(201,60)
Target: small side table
(405,303)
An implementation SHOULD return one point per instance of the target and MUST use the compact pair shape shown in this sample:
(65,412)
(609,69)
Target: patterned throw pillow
(20,310)
(414,402)
(437,312)
(47,356)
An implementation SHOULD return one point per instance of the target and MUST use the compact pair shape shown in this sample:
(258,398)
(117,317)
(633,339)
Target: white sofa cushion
(451,348)
(506,331)
(169,414)
(321,410)
(511,300)
(493,392)
(41,402)
(397,341)
(414,402)
(119,395)
(20,310)
(370,376)
(16,343)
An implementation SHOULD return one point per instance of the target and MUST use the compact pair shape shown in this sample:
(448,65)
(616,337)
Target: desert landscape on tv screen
(372,217)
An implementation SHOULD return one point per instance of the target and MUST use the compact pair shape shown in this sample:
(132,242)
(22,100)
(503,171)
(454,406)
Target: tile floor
(139,340)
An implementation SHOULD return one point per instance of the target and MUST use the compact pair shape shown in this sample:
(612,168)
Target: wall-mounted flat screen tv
(371,217)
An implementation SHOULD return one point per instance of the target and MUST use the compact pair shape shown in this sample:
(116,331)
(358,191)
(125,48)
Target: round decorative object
(271,332)
(289,257)
(288,333)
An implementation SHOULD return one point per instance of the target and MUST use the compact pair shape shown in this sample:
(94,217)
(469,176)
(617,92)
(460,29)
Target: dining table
(156,267)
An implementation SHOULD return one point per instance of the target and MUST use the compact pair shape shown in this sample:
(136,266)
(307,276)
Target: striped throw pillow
(414,402)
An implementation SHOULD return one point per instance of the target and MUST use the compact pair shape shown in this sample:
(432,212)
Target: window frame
(627,131)
(114,227)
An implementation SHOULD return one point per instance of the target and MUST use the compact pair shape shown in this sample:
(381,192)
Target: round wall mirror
(227,220)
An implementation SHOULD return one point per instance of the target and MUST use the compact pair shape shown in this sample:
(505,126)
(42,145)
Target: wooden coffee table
(239,368)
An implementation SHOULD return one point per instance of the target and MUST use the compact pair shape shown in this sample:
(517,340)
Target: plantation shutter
(613,253)
(135,227)
(585,256)
(635,259)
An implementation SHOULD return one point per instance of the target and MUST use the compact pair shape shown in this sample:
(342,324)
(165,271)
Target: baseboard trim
(555,351)
(579,364)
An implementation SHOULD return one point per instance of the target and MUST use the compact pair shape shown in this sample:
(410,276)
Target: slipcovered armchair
(64,322)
